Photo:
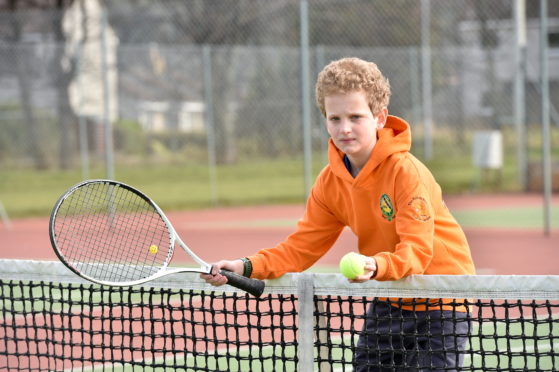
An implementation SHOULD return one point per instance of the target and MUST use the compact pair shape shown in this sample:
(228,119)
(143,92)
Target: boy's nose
(345,126)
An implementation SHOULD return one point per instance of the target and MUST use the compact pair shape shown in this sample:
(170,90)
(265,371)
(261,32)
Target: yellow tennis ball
(352,265)
(153,249)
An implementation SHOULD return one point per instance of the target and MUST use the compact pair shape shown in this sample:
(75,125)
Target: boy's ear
(382,117)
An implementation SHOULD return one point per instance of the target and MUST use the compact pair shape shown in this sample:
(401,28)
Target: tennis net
(51,320)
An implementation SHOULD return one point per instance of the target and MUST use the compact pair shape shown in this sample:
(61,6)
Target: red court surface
(224,233)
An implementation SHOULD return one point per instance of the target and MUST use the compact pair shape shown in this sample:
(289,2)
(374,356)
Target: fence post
(426,79)
(305,334)
(109,156)
(520,92)
(4,216)
(305,93)
(209,121)
(415,84)
(546,131)
(320,63)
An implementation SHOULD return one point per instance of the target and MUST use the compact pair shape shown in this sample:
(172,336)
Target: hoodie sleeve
(316,232)
(415,227)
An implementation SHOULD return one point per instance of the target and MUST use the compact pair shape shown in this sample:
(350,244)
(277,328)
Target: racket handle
(253,286)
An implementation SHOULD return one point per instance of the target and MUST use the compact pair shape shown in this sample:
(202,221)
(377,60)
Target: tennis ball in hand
(352,265)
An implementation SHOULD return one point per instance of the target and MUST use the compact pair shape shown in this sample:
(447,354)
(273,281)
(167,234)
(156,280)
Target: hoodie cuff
(382,267)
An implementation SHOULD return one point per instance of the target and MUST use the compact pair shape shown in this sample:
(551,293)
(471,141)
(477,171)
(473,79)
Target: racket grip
(253,286)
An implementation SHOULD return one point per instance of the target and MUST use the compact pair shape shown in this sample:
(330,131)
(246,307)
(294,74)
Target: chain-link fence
(219,82)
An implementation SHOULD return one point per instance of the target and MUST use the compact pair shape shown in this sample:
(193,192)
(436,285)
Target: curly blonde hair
(353,74)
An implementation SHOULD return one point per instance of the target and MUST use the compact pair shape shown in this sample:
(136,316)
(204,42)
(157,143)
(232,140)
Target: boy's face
(352,125)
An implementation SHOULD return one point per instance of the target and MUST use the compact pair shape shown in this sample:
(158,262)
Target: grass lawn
(27,192)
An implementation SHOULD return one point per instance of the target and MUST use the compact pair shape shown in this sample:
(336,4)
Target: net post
(305,295)
(322,335)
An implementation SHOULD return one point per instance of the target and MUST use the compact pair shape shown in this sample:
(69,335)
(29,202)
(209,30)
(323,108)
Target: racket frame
(174,238)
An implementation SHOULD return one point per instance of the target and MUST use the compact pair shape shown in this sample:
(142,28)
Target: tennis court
(58,327)
(537,354)
(53,320)
(244,230)
(209,104)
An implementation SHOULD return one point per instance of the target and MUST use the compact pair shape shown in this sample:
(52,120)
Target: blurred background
(205,103)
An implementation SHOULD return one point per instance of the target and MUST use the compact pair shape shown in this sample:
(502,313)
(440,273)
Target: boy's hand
(215,278)
(370,271)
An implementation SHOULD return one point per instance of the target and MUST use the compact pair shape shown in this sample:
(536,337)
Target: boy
(392,203)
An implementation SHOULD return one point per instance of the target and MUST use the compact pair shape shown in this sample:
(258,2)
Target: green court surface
(489,348)
(528,344)
(509,217)
(514,344)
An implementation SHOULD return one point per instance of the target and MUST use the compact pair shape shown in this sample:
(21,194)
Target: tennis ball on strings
(352,265)
(153,249)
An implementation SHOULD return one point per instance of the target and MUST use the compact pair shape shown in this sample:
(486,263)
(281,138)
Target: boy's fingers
(370,270)
(214,277)
(215,270)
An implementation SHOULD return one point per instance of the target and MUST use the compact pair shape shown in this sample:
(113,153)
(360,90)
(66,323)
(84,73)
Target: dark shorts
(404,340)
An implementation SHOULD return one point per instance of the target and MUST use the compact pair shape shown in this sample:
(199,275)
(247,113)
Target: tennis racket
(110,233)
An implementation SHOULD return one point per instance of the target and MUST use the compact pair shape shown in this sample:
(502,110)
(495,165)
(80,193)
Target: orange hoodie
(394,207)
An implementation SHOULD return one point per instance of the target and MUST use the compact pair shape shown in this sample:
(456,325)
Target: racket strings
(111,233)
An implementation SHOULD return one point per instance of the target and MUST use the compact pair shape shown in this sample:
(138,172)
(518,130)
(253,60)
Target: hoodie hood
(395,137)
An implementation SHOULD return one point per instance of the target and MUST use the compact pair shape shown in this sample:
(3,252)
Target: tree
(232,23)
(66,117)
(30,122)
(223,26)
